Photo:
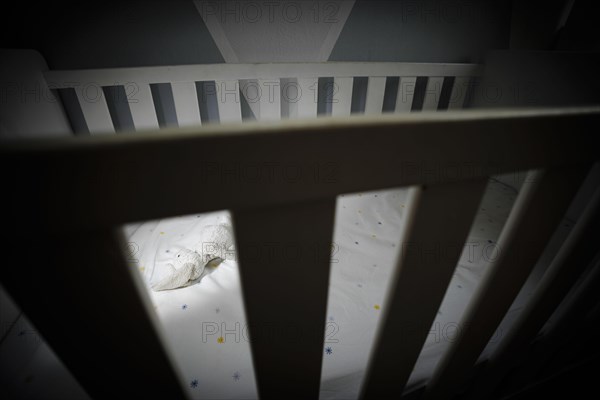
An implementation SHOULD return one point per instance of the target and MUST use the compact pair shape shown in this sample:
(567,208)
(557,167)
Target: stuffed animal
(187,265)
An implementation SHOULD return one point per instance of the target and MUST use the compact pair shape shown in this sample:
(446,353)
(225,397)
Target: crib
(76,192)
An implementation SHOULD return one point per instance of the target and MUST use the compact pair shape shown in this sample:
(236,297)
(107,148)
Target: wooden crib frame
(76,192)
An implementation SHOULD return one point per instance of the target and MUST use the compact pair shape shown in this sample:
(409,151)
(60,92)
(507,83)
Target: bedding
(205,323)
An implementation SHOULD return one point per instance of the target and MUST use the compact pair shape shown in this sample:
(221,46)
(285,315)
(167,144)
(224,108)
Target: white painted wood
(336,156)
(94,108)
(306,104)
(438,221)
(141,105)
(186,103)
(341,97)
(459,92)
(530,225)
(228,100)
(284,302)
(207,72)
(375,92)
(433,91)
(406,92)
(270,100)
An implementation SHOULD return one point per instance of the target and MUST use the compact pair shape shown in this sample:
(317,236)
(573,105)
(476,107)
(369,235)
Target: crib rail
(71,188)
(272,91)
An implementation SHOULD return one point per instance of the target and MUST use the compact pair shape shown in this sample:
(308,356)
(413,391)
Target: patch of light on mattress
(366,237)
(203,318)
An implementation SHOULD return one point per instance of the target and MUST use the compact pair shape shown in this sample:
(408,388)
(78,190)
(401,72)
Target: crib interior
(133,99)
(82,208)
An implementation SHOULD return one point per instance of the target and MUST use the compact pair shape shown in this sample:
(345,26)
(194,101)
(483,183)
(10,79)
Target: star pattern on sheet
(377,306)
(220,339)
(328,350)
(236,376)
(194,384)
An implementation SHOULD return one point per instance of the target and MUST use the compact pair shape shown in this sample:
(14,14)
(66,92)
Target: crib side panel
(574,256)
(526,232)
(438,222)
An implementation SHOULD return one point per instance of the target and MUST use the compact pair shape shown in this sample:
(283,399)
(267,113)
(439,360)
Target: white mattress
(205,323)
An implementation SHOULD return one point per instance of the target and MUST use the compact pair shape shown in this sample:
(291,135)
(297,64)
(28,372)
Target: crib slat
(228,100)
(459,92)
(142,108)
(375,92)
(95,110)
(435,231)
(307,100)
(93,310)
(406,92)
(342,96)
(284,256)
(186,103)
(576,253)
(270,102)
(526,232)
(433,90)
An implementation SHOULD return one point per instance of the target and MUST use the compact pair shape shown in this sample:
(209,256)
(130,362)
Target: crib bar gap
(528,229)
(435,231)
(284,257)
(95,109)
(186,103)
(85,301)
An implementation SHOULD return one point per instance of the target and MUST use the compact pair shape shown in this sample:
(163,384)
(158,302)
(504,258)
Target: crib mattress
(205,323)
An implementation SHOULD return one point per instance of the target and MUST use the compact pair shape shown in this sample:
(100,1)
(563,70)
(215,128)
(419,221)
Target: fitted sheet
(205,323)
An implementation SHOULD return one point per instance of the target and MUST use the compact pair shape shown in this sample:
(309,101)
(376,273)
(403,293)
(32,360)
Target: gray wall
(423,31)
(113,34)
(136,33)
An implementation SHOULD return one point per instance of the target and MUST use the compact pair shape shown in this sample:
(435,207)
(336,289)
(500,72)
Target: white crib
(77,191)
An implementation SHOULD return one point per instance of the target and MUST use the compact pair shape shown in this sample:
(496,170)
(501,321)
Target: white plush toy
(188,265)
